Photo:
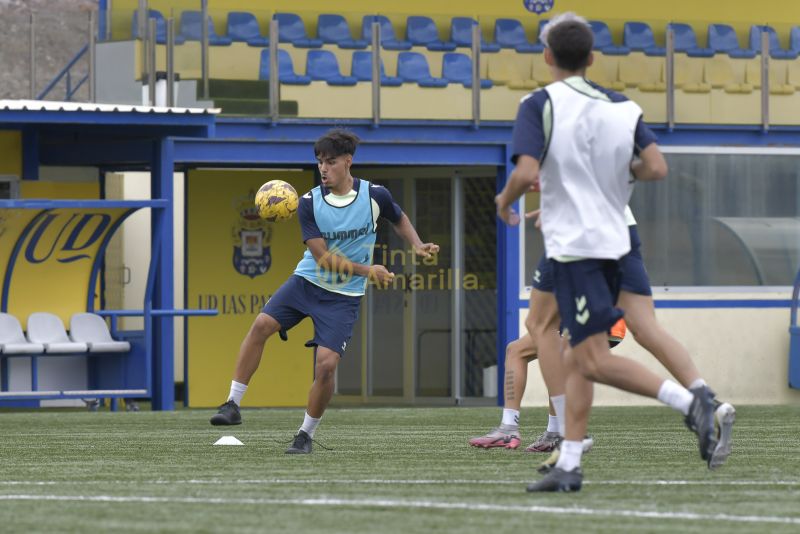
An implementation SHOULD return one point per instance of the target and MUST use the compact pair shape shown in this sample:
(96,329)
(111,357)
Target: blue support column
(103,31)
(163,380)
(508,254)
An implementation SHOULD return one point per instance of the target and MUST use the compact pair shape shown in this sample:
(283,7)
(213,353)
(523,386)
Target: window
(9,187)
(723,217)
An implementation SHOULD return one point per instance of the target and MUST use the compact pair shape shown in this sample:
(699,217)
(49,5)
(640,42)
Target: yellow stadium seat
(793,74)
(512,70)
(718,72)
(778,84)
(689,74)
(541,70)
(642,72)
(605,71)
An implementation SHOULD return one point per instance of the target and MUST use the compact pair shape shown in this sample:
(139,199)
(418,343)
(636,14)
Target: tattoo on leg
(509,384)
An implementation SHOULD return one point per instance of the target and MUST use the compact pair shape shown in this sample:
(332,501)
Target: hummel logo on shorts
(583,314)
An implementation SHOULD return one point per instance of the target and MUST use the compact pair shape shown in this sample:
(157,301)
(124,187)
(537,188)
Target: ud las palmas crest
(538,6)
(251,239)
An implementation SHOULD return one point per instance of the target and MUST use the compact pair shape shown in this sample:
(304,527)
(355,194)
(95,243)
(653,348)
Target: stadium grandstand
(134,135)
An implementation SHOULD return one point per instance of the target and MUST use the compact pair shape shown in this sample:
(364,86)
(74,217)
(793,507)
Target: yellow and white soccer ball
(276,201)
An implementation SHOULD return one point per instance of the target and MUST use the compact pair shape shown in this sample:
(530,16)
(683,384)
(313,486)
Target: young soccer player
(338,220)
(585,176)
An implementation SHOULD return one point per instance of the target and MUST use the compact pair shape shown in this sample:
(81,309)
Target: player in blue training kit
(338,220)
(584,171)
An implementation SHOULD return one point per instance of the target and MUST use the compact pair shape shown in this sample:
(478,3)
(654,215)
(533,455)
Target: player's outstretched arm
(406,230)
(651,164)
(334,262)
(524,177)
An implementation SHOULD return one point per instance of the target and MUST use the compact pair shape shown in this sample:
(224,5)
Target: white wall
(742,353)
(136,254)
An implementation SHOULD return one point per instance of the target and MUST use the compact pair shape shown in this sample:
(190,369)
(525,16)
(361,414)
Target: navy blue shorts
(634,273)
(334,315)
(543,276)
(586,291)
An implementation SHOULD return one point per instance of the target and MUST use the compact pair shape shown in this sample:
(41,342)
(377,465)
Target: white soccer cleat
(724,417)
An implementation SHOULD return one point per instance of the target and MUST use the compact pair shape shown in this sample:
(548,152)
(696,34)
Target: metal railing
(67,72)
(147,31)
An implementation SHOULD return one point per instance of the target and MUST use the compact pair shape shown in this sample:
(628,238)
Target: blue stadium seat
(461,34)
(639,36)
(413,67)
(775,49)
(509,33)
(421,31)
(686,41)
(286,72)
(321,65)
(192,29)
(603,41)
(161,27)
(333,29)
(457,68)
(722,38)
(362,70)
(243,27)
(291,29)
(794,39)
(389,40)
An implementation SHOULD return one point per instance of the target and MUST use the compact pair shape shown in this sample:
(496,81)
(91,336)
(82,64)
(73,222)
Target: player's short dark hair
(335,143)
(571,43)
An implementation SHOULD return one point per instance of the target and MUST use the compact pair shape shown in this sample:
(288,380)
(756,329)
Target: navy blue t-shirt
(387,207)
(529,136)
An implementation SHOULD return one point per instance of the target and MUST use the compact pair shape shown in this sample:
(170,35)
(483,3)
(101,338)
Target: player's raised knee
(264,326)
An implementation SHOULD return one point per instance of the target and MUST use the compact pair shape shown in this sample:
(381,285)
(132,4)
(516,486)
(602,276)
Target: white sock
(552,423)
(570,456)
(237,392)
(675,396)
(559,405)
(309,425)
(510,417)
(697,383)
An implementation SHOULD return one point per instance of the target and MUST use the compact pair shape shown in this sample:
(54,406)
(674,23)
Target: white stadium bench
(47,329)
(12,340)
(92,329)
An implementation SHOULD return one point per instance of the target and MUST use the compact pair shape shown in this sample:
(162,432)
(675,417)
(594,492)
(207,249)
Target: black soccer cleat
(558,480)
(227,414)
(301,444)
(700,420)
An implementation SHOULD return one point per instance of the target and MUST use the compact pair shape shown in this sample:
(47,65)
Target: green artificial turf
(388,470)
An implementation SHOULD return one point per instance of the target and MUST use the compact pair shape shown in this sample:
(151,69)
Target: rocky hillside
(61,30)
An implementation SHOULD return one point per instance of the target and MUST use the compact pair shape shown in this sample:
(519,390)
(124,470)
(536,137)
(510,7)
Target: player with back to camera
(338,220)
(584,167)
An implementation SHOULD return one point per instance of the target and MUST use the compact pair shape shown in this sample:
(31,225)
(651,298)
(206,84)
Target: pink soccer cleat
(506,436)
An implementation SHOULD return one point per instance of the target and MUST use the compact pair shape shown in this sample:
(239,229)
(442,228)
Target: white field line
(412,482)
(387,503)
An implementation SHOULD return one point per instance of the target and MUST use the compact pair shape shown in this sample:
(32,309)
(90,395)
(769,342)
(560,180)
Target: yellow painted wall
(781,14)
(11,153)
(215,202)
(59,190)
